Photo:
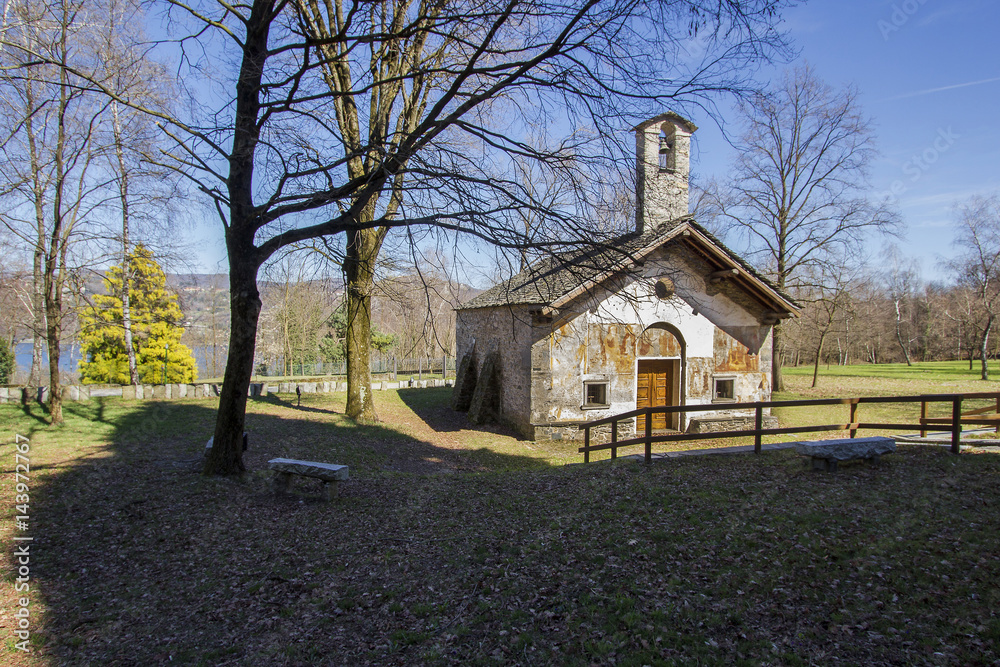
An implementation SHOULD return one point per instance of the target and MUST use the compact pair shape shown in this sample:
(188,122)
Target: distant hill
(198,280)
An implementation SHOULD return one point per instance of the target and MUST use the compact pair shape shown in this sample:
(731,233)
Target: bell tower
(663,156)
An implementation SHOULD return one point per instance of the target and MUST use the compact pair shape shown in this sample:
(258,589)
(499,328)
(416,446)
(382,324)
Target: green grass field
(930,371)
(455,545)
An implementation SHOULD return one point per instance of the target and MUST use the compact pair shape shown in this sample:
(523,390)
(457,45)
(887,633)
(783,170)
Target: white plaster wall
(636,304)
(546,385)
(643,309)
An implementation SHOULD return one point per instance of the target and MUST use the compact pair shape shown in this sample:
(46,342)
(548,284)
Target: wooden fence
(953,423)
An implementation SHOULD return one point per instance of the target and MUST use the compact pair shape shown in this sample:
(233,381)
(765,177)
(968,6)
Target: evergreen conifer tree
(156,329)
(7,362)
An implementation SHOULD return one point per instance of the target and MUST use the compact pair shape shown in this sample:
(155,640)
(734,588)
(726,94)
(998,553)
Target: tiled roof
(553,277)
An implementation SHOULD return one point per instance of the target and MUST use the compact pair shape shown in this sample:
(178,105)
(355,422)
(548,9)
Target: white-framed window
(724,389)
(595,395)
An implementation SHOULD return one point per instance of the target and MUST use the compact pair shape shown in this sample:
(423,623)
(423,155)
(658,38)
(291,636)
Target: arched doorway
(659,374)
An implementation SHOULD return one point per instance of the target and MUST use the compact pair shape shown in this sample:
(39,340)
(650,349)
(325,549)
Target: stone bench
(826,454)
(211,442)
(329,473)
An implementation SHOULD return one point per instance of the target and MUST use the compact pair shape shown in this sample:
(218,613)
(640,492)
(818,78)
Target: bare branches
(797,197)
(977,267)
(333,116)
(798,190)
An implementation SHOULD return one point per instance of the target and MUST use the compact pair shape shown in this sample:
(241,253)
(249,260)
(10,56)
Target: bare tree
(302,309)
(416,304)
(827,302)
(959,308)
(140,188)
(798,190)
(51,152)
(283,162)
(15,299)
(902,283)
(977,266)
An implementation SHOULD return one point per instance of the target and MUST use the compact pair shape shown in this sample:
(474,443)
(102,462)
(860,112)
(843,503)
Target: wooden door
(655,387)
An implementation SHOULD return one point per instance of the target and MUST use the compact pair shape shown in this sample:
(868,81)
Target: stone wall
(508,332)
(602,337)
(729,423)
(85,392)
(572,431)
(662,190)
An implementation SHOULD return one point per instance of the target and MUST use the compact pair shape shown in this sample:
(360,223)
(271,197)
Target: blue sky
(928,73)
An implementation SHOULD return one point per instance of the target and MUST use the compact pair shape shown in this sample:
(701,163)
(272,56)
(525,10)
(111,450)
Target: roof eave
(783,306)
(623,264)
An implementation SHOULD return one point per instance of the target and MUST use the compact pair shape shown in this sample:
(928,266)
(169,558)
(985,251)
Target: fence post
(649,436)
(586,444)
(395,369)
(956,424)
(614,439)
(758,424)
(923,416)
(854,416)
(998,412)
(444,367)
(420,368)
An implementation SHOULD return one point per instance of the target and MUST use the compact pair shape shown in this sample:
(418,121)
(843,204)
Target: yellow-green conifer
(156,328)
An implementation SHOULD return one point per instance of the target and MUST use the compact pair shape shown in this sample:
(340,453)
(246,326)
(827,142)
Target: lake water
(70,358)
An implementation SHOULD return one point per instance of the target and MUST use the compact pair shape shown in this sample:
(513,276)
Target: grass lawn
(939,377)
(458,546)
(919,372)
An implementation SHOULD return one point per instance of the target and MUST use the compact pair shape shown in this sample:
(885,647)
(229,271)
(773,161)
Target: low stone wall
(730,423)
(85,392)
(572,431)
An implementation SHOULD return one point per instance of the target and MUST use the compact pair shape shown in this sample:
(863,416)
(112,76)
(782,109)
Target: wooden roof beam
(724,274)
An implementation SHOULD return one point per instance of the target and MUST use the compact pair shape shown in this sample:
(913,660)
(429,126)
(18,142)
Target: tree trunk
(847,340)
(899,336)
(38,329)
(777,383)
(53,309)
(123,193)
(226,455)
(54,279)
(983,343)
(55,253)
(359,276)
(133,369)
(819,353)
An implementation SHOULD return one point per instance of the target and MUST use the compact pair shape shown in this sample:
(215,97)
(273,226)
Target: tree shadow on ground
(36,411)
(294,403)
(141,560)
(433,407)
(137,560)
